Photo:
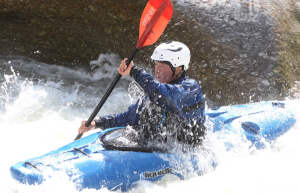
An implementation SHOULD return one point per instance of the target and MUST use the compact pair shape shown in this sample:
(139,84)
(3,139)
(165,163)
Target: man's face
(163,72)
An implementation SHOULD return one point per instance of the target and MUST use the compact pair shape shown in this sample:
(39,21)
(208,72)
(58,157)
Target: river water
(42,106)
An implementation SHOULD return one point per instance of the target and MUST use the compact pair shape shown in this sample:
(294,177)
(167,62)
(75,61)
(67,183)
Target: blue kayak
(113,158)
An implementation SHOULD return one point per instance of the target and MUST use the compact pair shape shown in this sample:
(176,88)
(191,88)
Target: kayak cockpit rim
(116,140)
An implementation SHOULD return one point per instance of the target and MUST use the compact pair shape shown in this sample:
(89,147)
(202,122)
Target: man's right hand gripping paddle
(154,20)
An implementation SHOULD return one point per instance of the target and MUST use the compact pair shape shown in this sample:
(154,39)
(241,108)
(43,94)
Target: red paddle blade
(155,18)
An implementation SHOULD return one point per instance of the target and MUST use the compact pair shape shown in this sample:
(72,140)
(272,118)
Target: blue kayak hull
(110,169)
(89,164)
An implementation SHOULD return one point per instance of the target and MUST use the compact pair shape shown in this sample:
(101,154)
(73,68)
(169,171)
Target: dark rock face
(68,31)
(242,50)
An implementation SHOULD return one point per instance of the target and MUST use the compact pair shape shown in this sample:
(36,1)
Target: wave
(42,107)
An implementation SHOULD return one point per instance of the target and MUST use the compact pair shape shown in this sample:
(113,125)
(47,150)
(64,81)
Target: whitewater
(42,106)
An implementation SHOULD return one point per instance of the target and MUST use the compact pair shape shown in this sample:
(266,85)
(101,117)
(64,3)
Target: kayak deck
(92,162)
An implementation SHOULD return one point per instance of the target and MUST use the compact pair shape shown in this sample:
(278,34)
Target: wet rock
(249,47)
(258,38)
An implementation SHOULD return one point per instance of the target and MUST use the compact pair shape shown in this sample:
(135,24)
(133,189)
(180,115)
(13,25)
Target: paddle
(154,20)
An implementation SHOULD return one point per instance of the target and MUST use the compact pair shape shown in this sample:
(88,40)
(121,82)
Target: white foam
(40,115)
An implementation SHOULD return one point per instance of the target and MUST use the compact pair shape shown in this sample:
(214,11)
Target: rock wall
(242,50)
(71,32)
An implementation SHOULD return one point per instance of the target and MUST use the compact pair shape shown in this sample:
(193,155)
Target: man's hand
(83,128)
(123,69)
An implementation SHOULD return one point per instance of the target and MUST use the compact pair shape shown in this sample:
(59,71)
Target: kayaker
(172,107)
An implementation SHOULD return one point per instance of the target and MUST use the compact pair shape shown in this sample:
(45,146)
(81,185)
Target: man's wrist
(133,70)
(98,123)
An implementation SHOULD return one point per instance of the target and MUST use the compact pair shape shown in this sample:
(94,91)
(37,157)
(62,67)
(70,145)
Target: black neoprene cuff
(133,70)
(99,123)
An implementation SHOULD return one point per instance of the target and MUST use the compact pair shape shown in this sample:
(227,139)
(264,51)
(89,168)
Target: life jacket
(162,126)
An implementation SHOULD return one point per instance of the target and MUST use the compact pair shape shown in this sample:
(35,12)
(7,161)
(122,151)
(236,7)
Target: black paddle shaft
(106,95)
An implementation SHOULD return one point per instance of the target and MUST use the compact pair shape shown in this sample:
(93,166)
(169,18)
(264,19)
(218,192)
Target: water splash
(43,114)
(9,89)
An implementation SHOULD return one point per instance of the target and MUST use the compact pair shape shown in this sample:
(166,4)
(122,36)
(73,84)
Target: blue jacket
(182,97)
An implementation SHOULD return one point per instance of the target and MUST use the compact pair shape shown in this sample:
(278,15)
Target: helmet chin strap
(177,76)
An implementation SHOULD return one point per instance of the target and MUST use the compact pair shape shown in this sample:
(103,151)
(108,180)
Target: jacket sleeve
(129,117)
(172,97)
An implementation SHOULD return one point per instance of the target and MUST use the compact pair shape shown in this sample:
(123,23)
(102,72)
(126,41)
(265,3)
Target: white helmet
(177,53)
